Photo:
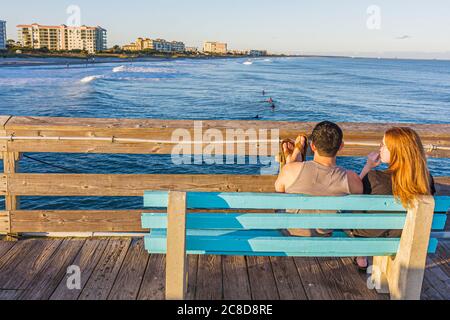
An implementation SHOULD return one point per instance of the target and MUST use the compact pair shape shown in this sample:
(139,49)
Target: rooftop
(63,26)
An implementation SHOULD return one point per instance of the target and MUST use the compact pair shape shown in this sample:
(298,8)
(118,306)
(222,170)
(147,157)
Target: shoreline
(29,61)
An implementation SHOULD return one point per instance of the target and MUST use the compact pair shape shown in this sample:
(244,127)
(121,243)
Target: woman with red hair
(407,177)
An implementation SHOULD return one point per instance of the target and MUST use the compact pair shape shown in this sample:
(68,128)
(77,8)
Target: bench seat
(178,233)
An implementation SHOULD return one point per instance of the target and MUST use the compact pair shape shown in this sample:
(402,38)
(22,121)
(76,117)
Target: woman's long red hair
(410,174)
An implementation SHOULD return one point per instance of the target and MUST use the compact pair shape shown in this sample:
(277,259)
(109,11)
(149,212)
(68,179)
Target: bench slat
(388,221)
(211,200)
(217,233)
(284,246)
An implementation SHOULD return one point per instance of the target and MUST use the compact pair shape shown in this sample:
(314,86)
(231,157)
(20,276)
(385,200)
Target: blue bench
(398,264)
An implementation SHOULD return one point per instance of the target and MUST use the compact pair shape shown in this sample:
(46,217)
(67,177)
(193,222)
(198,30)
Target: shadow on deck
(35,269)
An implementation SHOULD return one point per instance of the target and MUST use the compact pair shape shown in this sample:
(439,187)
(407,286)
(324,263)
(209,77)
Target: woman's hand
(373,160)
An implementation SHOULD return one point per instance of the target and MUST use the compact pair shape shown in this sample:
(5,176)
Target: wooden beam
(176,260)
(146,127)
(76,221)
(5,224)
(3,143)
(131,185)
(436,134)
(10,167)
(21,184)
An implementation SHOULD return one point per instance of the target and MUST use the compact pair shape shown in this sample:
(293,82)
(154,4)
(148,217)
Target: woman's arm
(373,161)
(365,171)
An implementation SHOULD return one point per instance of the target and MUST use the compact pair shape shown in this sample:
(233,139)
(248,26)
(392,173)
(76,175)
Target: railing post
(12,202)
(10,167)
(176,261)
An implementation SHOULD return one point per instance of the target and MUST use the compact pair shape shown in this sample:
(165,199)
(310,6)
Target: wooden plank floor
(120,269)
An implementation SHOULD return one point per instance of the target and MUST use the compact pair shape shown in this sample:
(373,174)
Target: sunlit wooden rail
(74,135)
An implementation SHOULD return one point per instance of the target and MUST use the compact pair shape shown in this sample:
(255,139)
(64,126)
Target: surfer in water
(264,92)
(272,103)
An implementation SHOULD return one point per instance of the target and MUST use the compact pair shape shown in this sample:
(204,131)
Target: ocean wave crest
(90,78)
(142,70)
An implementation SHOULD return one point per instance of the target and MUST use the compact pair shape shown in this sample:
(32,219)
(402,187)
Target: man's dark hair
(328,138)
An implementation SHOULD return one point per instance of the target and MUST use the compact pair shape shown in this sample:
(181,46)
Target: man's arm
(280,183)
(355,183)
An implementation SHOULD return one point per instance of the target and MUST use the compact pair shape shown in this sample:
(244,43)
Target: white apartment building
(178,46)
(258,53)
(91,39)
(2,35)
(215,47)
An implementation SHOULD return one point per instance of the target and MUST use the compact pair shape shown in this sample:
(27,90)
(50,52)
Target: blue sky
(414,28)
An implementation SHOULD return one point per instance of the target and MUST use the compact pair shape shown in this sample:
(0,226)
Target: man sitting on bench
(320,177)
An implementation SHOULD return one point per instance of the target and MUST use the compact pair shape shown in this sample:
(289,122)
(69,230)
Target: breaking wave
(142,70)
(90,79)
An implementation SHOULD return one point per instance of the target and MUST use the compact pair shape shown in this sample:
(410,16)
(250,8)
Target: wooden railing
(126,136)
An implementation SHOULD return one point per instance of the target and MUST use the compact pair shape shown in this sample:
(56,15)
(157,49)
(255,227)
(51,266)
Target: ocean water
(304,89)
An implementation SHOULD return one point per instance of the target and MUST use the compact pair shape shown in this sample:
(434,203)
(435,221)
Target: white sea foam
(90,79)
(137,79)
(248,63)
(142,70)
(119,69)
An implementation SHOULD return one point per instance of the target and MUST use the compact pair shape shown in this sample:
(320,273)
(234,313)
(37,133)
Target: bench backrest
(259,233)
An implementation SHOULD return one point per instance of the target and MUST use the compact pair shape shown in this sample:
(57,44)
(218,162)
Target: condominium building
(177,46)
(258,53)
(2,35)
(215,47)
(140,45)
(239,52)
(159,45)
(35,36)
(192,49)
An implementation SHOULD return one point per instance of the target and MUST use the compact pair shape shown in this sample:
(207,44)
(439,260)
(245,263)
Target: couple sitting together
(407,177)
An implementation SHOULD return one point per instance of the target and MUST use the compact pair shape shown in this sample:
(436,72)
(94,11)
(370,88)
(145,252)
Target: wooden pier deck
(120,268)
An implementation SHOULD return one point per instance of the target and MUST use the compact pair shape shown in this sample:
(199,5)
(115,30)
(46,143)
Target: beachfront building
(239,52)
(215,47)
(140,45)
(258,53)
(2,35)
(192,49)
(159,45)
(57,38)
